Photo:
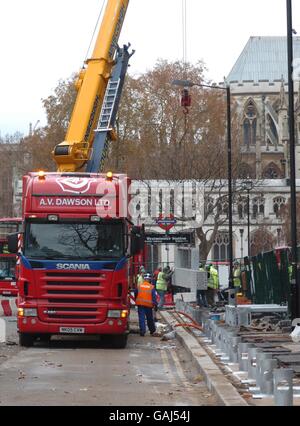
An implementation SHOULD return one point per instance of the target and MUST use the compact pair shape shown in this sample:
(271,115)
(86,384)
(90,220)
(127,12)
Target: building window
(246,171)
(221,247)
(258,207)
(242,208)
(250,124)
(278,204)
(209,206)
(272,172)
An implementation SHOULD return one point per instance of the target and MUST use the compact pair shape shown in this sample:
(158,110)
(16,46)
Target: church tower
(259,87)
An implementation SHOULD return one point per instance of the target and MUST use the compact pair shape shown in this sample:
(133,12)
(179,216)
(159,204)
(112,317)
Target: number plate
(72,330)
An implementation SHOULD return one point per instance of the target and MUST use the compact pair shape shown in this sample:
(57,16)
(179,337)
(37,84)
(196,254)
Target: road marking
(168,368)
(179,370)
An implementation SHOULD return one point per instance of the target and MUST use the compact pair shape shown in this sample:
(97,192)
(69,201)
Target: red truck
(8,286)
(74,263)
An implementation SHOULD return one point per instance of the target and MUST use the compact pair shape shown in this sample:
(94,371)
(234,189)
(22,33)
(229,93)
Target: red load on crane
(186,100)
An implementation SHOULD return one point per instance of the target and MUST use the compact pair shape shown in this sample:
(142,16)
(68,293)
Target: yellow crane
(99,87)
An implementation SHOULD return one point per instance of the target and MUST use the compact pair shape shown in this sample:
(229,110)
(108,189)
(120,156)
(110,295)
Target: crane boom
(92,83)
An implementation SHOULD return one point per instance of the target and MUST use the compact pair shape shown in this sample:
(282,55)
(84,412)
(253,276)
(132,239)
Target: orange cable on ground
(198,327)
(193,324)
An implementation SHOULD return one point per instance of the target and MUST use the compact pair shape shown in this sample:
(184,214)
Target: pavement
(216,381)
(230,386)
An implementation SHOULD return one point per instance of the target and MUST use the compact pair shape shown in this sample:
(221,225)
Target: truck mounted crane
(99,88)
(78,240)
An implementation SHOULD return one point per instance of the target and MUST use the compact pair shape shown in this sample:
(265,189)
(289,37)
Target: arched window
(220,248)
(209,206)
(250,124)
(242,207)
(258,207)
(246,171)
(272,172)
(278,204)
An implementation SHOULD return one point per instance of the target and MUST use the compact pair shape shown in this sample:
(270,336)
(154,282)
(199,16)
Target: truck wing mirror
(12,243)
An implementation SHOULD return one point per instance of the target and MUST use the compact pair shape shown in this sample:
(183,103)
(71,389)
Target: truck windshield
(7,268)
(92,241)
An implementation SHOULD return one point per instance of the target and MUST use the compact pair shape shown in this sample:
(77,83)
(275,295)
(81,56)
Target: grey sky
(43,41)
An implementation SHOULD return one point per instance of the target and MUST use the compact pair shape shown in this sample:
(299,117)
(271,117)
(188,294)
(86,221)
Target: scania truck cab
(74,263)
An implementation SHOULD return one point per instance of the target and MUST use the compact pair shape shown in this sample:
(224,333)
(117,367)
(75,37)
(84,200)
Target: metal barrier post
(233,351)
(267,374)
(243,349)
(252,354)
(283,387)
(259,373)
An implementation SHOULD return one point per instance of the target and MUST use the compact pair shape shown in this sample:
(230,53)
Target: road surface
(148,372)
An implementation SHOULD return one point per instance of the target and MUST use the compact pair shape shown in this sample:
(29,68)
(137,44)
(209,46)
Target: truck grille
(72,297)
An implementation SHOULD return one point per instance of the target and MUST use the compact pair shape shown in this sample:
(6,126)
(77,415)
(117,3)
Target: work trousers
(161,298)
(146,313)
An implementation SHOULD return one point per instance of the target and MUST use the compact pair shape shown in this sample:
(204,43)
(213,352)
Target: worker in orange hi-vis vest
(146,300)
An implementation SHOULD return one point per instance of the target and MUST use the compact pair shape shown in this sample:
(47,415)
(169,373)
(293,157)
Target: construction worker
(212,284)
(140,275)
(162,286)
(237,277)
(146,301)
(201,294)
(155,275)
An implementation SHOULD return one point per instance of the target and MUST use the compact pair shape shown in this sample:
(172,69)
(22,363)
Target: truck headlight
(114,314)
(27,312)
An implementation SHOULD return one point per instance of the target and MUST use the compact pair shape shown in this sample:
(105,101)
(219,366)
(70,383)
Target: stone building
(259,88)
(259,85)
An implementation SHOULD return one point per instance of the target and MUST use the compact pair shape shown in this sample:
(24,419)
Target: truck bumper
(33,325)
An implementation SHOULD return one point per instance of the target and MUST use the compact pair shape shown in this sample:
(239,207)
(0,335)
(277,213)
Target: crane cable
(96,26)
(184,37)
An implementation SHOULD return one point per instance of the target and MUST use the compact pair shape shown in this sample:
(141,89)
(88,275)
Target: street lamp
(242,243)
(295,293)
(247,185)
(186,84)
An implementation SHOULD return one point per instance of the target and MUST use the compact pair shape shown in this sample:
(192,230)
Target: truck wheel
(26,340)
(119,341)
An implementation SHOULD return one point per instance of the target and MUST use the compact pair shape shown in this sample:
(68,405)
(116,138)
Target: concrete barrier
(8,307)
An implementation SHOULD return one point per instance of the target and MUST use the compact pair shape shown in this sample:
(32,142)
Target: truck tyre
(119,341)
(26,340)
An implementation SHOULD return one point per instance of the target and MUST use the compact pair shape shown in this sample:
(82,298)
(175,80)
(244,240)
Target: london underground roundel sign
(166,223)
